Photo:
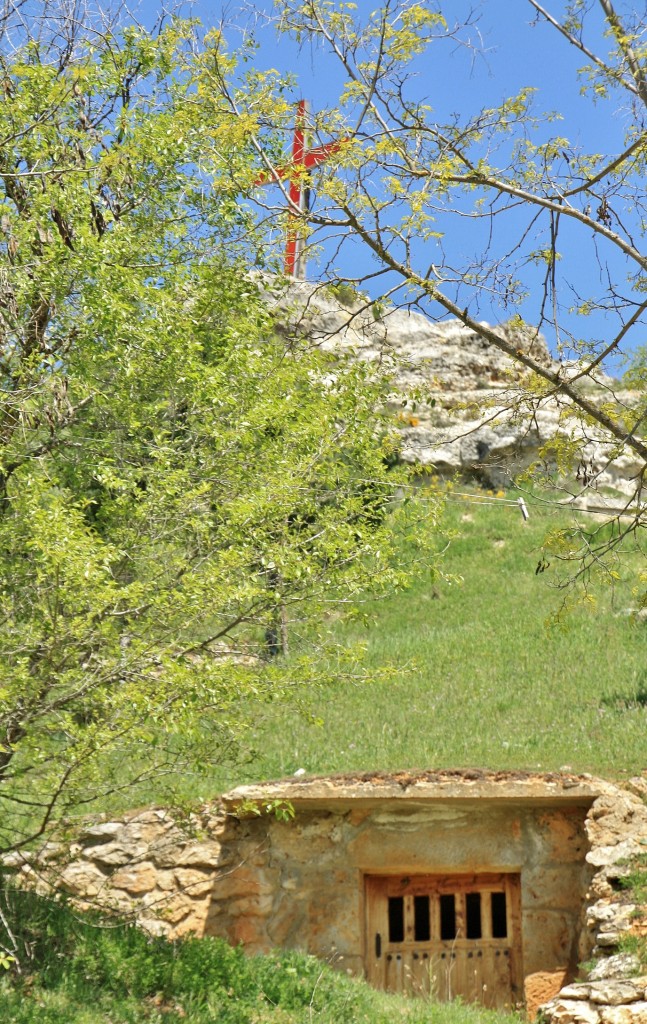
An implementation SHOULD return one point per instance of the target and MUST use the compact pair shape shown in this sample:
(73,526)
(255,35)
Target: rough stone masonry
(252,878)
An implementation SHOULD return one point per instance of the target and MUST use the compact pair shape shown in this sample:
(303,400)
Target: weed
(636,880)
(636,945)
(634,884)
(87,971)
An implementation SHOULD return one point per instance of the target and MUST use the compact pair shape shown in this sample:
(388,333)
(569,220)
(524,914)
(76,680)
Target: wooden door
(445,936)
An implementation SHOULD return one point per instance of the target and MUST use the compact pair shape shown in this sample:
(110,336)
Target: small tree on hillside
(172,473)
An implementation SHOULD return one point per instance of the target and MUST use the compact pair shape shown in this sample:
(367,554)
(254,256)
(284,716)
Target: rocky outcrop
(458,398)
(604,1002)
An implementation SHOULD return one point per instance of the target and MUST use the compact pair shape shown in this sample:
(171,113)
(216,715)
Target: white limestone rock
(463,423)
(634,1013)
(570,1011)
(610,991)
(622,965)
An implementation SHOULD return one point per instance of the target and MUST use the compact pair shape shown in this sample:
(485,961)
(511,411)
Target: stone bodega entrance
(446,884)
(446,936)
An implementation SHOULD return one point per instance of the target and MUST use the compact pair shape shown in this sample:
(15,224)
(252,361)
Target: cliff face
(458,399)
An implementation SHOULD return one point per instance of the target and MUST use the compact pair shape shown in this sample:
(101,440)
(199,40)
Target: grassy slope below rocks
(482,679)
(470,673)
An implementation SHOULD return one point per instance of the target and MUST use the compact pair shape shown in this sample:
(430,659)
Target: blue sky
(507,47)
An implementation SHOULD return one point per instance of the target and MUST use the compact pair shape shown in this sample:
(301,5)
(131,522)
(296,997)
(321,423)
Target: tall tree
(175,477)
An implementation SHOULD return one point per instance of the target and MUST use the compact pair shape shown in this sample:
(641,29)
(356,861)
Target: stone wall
(144,866)
(263,882)
(615,991)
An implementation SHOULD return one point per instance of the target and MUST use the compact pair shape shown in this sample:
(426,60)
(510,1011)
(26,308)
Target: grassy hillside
(469,671)
(476,677)
(481,677)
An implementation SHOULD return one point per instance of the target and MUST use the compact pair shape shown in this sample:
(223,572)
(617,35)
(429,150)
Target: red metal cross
(303,159)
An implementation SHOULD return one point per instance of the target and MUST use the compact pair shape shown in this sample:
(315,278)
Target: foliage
(178,485)
(446,655)
(636,880)
(84,970)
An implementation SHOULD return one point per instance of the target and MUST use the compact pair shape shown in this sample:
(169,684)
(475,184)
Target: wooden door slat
(487,970)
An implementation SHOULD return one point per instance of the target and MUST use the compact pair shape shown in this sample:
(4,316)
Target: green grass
(472,672)
(82,971)
(480,678)
(636,881)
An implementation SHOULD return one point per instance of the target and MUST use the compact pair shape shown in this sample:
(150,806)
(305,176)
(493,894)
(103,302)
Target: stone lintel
(468,786)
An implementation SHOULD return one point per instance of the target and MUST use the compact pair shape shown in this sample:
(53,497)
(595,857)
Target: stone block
(258,858)
(191,925)
(17,859)
(552,938)
(571,1011)
(638,786)
(136,880)
(287,925)
(216,922)
(101,832)
(117,853)
(450,840)
(615,991)
(553,888)
(52,852)
(334,920)
(209,855)
(564,835)
(601,856)
(82,879)
(622,965)
(303,849)
(153,926)
(165,880)
(194,883)
(610,917)
(250,932)
(540,987)
(610,811)
(175,908)
(243,881)
(251,906)
(634,1013)
(164,851)
(606,941)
